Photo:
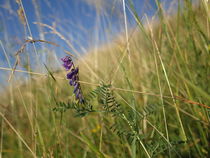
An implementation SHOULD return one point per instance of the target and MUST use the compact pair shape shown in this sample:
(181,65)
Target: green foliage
(80,111)
(136,115)
(161,147)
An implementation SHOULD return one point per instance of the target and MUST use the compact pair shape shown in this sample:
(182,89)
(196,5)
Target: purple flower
(73,77)
(67,62)
(73,73)
(72,82)
(70,74)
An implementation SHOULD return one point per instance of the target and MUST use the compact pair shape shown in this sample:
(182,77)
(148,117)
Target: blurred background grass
(149,63)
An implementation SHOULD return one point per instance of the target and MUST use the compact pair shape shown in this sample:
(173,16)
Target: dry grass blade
(169,97)
(67,52)
(44,41)
(21,50)
(191,102)
(20,13)
(115,88)
(54,31)
(17,133)
(28,72)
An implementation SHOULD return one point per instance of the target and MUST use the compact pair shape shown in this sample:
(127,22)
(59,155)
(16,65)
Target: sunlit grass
(163,62)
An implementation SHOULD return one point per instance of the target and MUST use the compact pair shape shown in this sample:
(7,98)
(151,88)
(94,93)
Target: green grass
(164,60)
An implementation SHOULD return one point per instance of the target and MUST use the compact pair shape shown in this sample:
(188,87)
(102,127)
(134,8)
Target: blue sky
(80,21)
(77,19)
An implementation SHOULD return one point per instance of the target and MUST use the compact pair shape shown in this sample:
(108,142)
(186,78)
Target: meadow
(145,94)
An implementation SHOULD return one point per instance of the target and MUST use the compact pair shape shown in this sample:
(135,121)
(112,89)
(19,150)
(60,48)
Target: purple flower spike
(73,78)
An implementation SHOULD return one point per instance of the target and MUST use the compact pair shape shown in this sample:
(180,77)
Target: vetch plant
(123,123)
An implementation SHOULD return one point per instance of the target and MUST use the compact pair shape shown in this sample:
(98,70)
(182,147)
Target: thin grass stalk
(131,127)
(18,134)
(162,103)
(11,92)
(169,85)
(34,112)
